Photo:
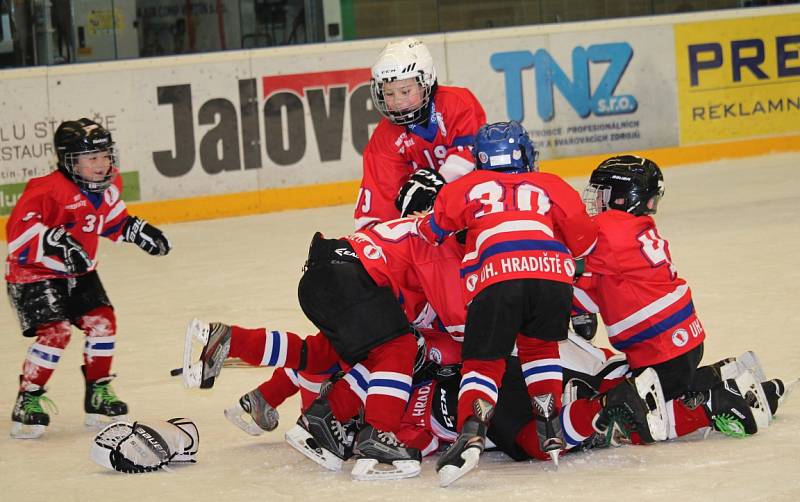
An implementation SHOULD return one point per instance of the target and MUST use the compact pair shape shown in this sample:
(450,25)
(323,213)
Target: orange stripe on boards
(331,194)
(675,156)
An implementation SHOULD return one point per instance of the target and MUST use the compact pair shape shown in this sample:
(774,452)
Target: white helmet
(408,58)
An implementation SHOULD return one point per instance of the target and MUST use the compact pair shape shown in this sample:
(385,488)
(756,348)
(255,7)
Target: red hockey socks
(44,354)
(100,327)
(541,367)
(278,388)
(479,380)
(390,366)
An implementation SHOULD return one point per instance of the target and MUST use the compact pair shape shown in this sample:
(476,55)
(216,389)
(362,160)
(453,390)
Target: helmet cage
(416,114)
(70,160)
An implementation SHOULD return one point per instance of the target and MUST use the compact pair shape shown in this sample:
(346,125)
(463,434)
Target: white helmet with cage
(406,59)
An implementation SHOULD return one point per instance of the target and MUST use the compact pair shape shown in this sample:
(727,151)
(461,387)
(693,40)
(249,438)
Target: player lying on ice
(351,291)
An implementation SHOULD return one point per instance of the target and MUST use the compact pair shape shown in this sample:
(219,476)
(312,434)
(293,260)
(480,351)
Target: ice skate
(253,414)
(380,456)
(548,426)
(464,454)
(28,419)
(101,404)
(213,341)
(753,393)
(635,405)
(320,437)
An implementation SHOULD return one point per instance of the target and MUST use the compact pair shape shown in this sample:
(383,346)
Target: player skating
(422,140)
(53,234)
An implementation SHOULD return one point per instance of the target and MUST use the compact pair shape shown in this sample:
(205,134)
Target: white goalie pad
(649,388)
(138,447)
(196,338)
(369,469)
(753,394)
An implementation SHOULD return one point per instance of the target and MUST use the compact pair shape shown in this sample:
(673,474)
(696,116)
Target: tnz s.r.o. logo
(577,91)
(279,121)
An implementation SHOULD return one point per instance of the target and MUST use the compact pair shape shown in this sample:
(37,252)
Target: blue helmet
(505,147)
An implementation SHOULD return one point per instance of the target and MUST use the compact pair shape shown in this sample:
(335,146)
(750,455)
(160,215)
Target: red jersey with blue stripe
(519,226)
(631,281)
(394,152)
(51,201)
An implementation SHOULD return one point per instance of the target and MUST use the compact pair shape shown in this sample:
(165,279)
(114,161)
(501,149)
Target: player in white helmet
(422,141)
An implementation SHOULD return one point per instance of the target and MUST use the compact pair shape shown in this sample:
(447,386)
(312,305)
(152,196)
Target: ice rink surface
(734,233)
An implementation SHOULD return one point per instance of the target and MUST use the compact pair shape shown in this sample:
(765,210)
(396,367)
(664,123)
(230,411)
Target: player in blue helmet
(505,147)
(523,230)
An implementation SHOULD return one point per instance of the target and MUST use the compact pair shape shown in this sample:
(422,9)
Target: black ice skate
(380,455)
(320,437)
(101,404)
(735,406)
(253,414)
(635,405)
(28,419)
(215,341)
(548,426)
(463,455)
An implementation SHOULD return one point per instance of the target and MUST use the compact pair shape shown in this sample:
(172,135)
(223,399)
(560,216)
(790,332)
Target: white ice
(734,233)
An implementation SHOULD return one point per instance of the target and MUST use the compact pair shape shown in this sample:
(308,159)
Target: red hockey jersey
(423,277)
(50,201)
(519,226)
(631,281)
(394,152)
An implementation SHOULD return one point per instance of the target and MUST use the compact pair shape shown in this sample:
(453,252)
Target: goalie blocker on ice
(138,447)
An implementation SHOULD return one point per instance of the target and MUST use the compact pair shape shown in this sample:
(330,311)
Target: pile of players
(444,318)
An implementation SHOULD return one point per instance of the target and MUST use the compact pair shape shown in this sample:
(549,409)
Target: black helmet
(77,137)
(626,182)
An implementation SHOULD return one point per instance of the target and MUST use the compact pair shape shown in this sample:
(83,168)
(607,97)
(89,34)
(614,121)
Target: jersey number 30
(523,197)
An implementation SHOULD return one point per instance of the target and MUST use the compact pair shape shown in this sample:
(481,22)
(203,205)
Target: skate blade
(449,474)
(750,361)
(195,340)
(649,388)
(748,385)
(369,469)
(26,431)
(98,421)
(241,419)
(299,439)
(554,456)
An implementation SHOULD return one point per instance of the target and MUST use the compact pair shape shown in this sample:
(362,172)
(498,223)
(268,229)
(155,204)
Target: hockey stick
(231,362)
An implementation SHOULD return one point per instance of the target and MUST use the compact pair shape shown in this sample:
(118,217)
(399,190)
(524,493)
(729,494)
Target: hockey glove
(146,236)
(419,192)
(584,325)
(58,242)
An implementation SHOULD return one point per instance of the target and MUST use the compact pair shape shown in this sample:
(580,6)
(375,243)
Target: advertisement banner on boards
(738,78)
(578,92)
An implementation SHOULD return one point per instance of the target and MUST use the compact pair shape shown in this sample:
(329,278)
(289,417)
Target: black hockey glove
(585,325)
(146,236)
(58,242)
(419,191)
